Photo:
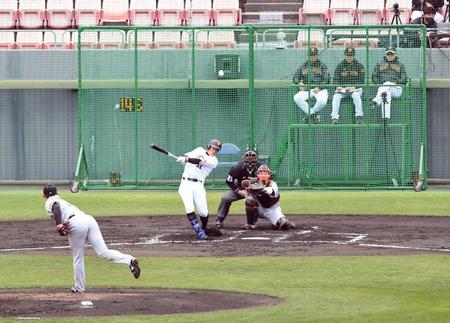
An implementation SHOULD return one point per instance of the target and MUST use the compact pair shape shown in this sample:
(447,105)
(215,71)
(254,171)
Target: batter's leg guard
(194,223)
(204,220)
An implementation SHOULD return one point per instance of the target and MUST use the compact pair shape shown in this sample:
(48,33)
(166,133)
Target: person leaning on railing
(313,71)
(389,73)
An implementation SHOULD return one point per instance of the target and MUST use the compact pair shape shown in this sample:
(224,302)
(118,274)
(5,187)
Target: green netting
(178,87)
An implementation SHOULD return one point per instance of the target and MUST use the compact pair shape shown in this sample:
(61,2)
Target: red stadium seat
(115,11)
(31,13)
(30,40)
(343,12)
(226,13)
(7,39)
(371,12)
(142,12)
(314,12)
(8,14)
(60,14)
(200,14)
(171,13)
(87,12)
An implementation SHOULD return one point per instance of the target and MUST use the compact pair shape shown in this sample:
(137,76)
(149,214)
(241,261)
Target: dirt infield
(172,236)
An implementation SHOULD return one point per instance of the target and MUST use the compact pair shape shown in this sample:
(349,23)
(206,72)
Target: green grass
(413,288)
(314,289)
(25,204)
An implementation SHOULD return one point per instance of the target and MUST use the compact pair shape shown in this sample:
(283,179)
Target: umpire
(244,169)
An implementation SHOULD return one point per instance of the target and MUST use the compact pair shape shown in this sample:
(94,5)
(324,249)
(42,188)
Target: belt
(192,179)
(70,217)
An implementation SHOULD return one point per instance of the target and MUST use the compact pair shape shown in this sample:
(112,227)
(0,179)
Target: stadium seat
(114,39)
(87,12)
(316,39)
(171,13)
(404,7)
(370,12)
(31,14)
(8,14)
(57,39)
(343,12)
(30,40)
(226,13)
(167,39)
(115,12)
(200,14)
(59,14)
(89,39)
(144,38)
(314,12)
(142,12)
(221,39)
(7,40)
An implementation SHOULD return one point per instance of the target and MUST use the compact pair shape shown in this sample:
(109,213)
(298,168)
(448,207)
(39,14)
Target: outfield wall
(38,126)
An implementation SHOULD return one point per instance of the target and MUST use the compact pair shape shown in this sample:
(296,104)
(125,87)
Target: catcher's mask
(214,143)
(49,190)
(250,159)
(264,174)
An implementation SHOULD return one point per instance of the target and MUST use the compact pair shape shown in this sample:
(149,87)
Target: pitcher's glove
(213,232)
(63,229)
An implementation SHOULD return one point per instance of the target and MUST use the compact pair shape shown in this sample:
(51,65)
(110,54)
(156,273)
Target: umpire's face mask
(250,167)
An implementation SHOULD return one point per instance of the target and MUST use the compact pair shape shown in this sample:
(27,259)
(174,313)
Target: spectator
(314,72)
(418,9)
(427,18)
(389,73)
(348,73)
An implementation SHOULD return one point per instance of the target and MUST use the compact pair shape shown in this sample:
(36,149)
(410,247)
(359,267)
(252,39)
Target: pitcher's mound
(34,303)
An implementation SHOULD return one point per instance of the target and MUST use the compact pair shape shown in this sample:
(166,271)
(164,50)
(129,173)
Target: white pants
(392,91)
(193,195)
(272,214)
(321,100)
(356,96)
(83,227)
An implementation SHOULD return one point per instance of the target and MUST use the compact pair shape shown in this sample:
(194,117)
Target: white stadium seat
(31,13)
(142,12)
(314,12)
(343,12)
(226,12)
(200,14)
(170,12)
(115,11)
(87,12)
(59,14)
(8,14)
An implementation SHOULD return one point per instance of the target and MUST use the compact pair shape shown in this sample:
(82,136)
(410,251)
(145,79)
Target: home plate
(256,238)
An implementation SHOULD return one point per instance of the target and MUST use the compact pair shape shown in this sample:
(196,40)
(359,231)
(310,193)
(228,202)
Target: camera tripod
(385,138)
(396,18)
(447,12)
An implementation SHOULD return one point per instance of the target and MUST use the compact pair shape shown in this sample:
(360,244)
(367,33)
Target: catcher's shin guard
(194,224)
(252,215)
(284,224)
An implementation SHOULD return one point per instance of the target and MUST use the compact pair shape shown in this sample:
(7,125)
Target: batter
(198,164)
(81,227)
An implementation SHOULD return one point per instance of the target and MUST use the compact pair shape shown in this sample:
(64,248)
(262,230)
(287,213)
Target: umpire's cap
(50,190)
(215,143)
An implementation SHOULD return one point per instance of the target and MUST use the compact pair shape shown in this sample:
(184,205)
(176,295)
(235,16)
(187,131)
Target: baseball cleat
(134,268)
(248,227)
(74,290)
(219,225)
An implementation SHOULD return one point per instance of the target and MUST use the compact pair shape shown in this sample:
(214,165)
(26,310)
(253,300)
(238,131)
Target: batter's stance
(81,227)
(198,165)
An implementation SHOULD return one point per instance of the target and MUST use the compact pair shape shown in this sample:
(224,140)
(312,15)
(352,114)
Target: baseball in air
(221,73)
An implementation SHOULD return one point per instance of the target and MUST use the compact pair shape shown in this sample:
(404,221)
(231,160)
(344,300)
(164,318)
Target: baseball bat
(162,150)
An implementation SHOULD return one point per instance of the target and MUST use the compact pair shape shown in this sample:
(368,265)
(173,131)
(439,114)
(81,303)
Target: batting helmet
(214,143)
(49,190)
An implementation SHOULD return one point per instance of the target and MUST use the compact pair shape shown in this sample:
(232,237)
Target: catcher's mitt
(213,232)
(63,229)
(255,188)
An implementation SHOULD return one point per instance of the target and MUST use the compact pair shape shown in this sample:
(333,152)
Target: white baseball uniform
(83,227)
(271,213)
(191,188)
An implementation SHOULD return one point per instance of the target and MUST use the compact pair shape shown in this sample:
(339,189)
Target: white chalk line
(353,239)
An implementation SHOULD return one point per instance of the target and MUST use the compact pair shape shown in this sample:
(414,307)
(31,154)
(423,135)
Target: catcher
(79,227)
(263,201)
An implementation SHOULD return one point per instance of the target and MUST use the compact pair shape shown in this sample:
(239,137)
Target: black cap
(349,51)
(390,50)
(313,51)
(50,190)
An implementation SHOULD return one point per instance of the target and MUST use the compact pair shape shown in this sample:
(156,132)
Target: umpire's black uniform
(235,176)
